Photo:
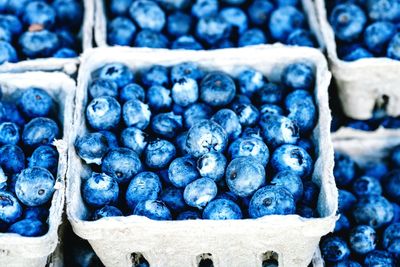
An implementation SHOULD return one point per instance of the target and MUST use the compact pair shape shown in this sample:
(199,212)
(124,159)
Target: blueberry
(287,2)
(122,164)
(376,169)
(302,110)
(212,29)
(236,18)
(39,12)
(205,8)
(291,181)
(301,37)
(348,21)
(136,113)
(45,157)
(195,114)
(183,171)
(373,210)
(269,93)
(206,136)
(10,209)
(391,185)
(7,53)
(188,70)
(254,132)
(28,227)
(106,211)
(69,12)
(334,249)
(116,72)
(180,142)
(156,75)
(248,114)
(259,12)
(173,198)
(344,170)
(378,35)
(391,235)
(378,258)
(189,215)
(393,50)
(252,36)
(250,81)
(293,158)
(174,4)
(284,20)
(342,224)
(11,22)
(271,109)
(278,130)
(9,133)
(111,139)
(67,38)
(212,165)
(310,193)
(307,145)
(159,98)
(151,39)
(229,121)
(121,31)
(179,24)
(144,186)
(186,42)
(100,190)
(362,239)
(35,102)
(40,213)
(271,200)
(5,34)
(298,76)
(65,53)
(395,156)
(224,43)
(249,146)
(153,209)
(240,100)
(103,113)
(388,10)
(159,153)
(200,192)
(12,159)
(166,124)
(217,89)
(346,201)
(132,91)
(39,44)
(120,7)
(185,92)
(222,209)
(39,131)
(134,139)
(357,53)
(34,186)
(148,15)
(102,87)
(365,185)
(91,147)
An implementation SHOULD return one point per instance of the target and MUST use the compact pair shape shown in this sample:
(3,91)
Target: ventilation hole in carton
(269,259)
(138,260)
(381,104)
(205,260)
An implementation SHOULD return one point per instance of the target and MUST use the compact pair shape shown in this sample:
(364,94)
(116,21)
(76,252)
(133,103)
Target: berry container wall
(365,83)
(345,133)
(100,22)
(67,65)
(16,250)
(228,243)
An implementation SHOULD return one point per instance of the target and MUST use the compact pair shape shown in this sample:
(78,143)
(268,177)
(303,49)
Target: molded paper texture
(16,250)
(362,84)
(231,243)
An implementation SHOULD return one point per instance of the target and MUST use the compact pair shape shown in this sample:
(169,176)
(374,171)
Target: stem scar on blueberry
(233,176)
(267,201)
(41,192)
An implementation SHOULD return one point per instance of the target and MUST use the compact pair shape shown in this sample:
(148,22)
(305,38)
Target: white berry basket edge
(100,32)
(364,83)
(231,243)
(67,65)
(16,250)
(347,133)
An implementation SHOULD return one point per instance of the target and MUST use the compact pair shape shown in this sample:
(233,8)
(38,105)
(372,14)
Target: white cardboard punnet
(16,250)
(362,84)
(347,133)
(233,242)
(67,65)
(100,33)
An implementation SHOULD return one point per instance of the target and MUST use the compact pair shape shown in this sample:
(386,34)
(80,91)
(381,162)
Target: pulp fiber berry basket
(67,65)
(347,133)
(16,250)
(100,32)
(363,84)
(291,239)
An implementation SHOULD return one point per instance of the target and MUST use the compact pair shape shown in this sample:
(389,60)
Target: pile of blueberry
(207,24)
(185,143)
(366,28)
(368,230)
(28,162)
(39,28)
